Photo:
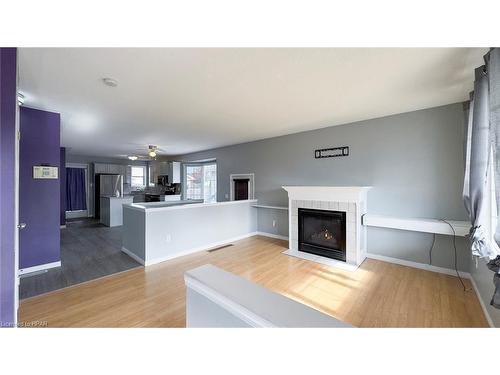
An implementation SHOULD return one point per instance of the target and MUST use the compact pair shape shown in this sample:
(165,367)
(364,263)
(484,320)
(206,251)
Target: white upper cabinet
(174,172)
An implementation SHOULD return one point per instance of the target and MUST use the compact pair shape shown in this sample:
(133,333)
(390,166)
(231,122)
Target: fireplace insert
(322,232)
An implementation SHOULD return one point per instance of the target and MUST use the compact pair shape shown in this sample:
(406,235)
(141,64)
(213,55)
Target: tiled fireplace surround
(348,199)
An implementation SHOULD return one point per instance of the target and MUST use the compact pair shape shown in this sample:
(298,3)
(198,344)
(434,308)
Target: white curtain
(493,60)
(483,135)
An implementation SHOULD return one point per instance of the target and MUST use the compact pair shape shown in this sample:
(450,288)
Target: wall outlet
(274,223)
(168,237)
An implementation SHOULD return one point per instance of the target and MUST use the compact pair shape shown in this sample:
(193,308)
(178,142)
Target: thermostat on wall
(41,172)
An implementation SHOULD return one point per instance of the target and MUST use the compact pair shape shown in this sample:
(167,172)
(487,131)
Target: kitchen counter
(111,210)
(158,231)
(164,204)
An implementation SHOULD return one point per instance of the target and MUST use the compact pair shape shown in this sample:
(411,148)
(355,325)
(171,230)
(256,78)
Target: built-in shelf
(284,208)
(436,226)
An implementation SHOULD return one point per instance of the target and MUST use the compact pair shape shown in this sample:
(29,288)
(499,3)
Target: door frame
(251,184)
(17,279)
(86,167)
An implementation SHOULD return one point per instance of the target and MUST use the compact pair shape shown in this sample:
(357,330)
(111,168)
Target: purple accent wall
(62,187)
(39,200)
(8,98)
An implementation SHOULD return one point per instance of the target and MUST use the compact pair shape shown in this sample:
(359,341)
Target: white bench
(216,298)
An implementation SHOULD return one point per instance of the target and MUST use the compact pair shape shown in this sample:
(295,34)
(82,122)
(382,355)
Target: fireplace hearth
(322,232)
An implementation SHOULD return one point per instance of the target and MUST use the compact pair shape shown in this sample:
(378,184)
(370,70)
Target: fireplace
(322,232)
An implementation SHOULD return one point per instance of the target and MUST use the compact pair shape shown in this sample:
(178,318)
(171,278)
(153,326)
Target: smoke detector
(111,82)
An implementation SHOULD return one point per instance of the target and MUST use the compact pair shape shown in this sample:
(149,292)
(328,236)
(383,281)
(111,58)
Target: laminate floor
(89,250)
(377,294)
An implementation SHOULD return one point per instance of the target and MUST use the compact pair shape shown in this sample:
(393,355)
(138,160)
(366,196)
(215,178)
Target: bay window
(200,181)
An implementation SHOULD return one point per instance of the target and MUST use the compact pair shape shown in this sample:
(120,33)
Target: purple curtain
(76,197)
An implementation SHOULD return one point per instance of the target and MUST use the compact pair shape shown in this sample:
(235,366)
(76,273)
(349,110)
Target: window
(138,176)
(200,181)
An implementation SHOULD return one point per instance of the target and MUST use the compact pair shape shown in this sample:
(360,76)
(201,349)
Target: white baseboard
(41,267)
(186,252)
(481,302)
(272,235)
(133,256)
(422,266)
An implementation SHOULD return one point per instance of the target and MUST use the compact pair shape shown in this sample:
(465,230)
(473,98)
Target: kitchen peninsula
(111,210)
(158,231)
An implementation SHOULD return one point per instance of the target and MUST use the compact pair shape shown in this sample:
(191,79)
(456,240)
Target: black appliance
(163,180)
(152,198)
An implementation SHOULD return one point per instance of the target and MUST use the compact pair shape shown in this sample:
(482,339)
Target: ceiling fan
(152,152)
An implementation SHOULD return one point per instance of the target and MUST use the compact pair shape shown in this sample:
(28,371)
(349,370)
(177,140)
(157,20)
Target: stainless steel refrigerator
(106,185)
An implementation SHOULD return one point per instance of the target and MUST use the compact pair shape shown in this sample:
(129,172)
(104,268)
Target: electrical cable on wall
(432,247)
(455,249)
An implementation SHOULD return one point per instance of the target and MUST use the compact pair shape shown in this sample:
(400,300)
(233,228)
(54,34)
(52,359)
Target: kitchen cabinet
(170,168)
(99,168)
(174,172)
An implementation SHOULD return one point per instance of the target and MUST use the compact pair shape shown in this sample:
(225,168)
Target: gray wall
(414,161)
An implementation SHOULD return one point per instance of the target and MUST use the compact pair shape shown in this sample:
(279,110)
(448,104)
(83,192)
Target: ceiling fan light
(152,154)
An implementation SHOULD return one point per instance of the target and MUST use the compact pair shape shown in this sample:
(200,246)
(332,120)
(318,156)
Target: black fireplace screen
(322,233)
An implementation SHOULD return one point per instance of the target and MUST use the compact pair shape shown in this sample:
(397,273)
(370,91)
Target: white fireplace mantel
(328,193)
(349,199)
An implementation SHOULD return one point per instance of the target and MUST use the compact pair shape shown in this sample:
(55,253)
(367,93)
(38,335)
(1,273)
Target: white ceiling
(187,100)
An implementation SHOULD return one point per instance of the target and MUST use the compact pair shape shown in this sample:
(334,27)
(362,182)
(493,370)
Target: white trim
(232,307)
(40,267)
(198,249)
(150,262)
(328,193)
(437,226)
(251,184)
(17,130)
(322,260)
(284,208)
(76,165)
(133,255)
(422,266)
(272,235)
(483,306)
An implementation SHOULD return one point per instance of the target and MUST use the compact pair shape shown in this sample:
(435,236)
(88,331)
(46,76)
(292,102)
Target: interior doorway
(241,189)
(77,190)
(242,186)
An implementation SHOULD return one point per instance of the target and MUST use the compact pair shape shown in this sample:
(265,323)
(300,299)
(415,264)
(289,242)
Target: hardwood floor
(378,294)
(89,250)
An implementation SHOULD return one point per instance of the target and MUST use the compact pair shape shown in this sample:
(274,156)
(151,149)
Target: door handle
(21,225)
